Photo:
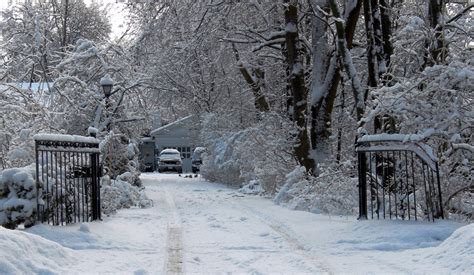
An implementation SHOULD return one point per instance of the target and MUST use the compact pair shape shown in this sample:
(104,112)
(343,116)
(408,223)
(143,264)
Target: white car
(170,159)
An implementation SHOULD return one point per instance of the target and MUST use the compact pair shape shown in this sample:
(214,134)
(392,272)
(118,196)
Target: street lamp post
(107,83)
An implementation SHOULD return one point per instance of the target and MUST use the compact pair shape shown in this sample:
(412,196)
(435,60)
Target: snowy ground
(200,227)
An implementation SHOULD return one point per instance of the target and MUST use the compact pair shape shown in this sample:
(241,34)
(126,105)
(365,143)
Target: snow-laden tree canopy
(276,84)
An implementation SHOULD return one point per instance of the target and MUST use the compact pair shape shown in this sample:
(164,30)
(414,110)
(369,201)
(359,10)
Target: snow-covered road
(212,228)
(200,227)
(220,230)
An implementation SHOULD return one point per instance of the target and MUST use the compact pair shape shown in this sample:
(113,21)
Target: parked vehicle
(196,159)
(170,159)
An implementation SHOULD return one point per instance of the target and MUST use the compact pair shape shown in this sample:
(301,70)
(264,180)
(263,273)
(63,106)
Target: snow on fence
(398,178)
(68,178)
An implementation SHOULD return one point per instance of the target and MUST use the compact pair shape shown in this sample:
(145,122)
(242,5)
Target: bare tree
(297,85)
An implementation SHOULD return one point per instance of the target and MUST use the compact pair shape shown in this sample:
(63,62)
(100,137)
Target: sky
(116,12)
(117,17)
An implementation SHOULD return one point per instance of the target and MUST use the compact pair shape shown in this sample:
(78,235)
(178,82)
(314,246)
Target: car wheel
(180,170)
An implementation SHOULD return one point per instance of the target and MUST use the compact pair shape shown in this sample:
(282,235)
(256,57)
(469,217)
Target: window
(187,152)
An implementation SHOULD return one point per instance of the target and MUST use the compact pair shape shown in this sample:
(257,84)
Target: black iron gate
(68,179)
(397,179)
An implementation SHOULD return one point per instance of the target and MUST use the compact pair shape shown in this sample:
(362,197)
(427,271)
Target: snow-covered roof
(170,125)
(33,86)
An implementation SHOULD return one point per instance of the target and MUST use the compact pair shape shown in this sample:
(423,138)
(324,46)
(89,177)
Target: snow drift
(25,253)
(455,251)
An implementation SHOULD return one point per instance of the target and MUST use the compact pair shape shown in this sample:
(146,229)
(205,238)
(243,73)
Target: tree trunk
(385,15)
(339,131)
(372,60)
(320,68)
(64,31)
(372,78)
(346,57)
(254,82)
(297,83)
(322,106)
(436,50)
(377,35)
(379,47)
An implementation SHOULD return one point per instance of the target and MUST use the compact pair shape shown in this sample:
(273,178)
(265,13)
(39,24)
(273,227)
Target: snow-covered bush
(117,194)
(20,115)
(18,197)
(219,165)
(260,159)
(133,165)
(120,158)
(253,187)
(258,155)
(295,183)
(23,151)
(334,191)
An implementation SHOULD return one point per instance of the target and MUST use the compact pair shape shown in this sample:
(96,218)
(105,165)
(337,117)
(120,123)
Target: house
(182,134)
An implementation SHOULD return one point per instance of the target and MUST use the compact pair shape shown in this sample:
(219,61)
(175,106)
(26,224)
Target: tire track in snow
(292,241)
(174,262)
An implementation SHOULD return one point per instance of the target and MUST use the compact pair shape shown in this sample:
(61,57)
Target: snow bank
(17,197)
(387,235)
(25,253)
(456,252)
(76,236)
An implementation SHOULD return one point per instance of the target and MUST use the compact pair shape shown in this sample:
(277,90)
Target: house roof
(170,125)
(34,86)
(145,139)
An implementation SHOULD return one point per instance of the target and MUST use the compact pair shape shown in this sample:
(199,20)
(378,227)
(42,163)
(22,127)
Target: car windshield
(169,153)
(196,155)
